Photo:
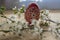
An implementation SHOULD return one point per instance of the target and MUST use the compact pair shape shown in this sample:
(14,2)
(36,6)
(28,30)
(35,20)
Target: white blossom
(14,8)
(33,21)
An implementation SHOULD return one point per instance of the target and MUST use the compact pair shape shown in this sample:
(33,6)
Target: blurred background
(43,4)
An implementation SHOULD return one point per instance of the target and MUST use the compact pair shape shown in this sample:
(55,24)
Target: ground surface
(55,15)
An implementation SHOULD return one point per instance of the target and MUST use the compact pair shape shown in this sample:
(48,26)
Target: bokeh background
(43,4)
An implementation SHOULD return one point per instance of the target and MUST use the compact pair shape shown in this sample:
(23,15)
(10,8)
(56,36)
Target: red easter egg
(32,12)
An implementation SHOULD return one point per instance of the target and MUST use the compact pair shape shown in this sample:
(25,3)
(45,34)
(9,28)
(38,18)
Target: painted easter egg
(32,12)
